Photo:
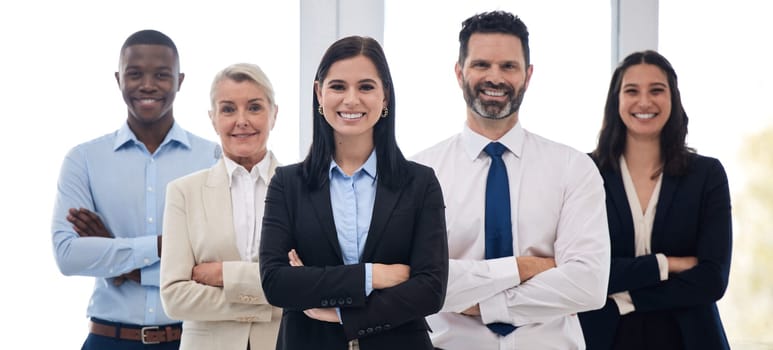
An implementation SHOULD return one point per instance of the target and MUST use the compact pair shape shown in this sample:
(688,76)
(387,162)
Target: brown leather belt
(147,335)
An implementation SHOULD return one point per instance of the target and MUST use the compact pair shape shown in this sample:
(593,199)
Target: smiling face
(243,118)
(352,97)
(645,101)
(494,77)
(149,78)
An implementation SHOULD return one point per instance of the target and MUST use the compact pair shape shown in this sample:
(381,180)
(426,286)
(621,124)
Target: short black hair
(493,22)
(150,37)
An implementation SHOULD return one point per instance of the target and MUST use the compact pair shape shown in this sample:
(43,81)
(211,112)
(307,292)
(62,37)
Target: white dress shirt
(558,210)
(248,190)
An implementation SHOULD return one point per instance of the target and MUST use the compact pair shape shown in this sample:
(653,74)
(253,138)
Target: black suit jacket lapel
(320,201)
(667,191)
(384,205)
(616,192)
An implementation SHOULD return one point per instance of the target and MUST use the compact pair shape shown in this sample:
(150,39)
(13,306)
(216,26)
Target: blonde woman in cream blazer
(210,276)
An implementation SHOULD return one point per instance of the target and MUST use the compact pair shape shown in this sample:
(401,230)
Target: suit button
(361,332)
(349,300)
(378,329)
(370,330)
(324,303)
(387,326)
(332,302)
(341,301)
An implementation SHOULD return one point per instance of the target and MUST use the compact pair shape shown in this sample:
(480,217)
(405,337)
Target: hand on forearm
(678,264)
(209,273)
(530,266)
(133,275)
(295,260)
(389,275)
(87,224)
(326,315)
(472,310)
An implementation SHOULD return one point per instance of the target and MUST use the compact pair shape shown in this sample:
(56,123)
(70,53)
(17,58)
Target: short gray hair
(240,72)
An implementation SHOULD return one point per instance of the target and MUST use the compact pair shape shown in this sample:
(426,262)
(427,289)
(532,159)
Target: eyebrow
(257,99)
(653,84)
(340,81)
(136,66)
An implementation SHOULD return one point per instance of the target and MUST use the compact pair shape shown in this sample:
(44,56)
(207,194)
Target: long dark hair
(392,165)
(611,144)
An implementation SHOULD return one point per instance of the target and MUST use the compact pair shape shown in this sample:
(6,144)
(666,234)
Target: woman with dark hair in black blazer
(354,244)
(669,219)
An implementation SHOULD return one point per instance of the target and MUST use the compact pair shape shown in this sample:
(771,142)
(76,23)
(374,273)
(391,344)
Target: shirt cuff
(151,275)
(368,280)
(662,266)
(624,302)
(505,269)
(495,309)
(145,250)
(340,319)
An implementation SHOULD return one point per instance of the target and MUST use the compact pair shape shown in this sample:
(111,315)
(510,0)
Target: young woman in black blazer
(668,210)
(354,246)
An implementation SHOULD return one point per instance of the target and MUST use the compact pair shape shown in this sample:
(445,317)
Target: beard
(493,109)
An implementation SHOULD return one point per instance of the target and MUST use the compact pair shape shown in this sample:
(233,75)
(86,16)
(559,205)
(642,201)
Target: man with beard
(527,228)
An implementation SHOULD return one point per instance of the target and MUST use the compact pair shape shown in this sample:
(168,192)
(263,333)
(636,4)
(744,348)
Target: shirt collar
(369,167)
(474,142)
(259,171)
(176,134)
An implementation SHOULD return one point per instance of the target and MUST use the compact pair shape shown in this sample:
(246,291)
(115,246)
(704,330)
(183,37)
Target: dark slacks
(648,331)
(98,342)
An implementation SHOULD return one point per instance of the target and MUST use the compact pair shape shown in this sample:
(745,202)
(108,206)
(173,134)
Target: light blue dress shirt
(352,199)
(116,177)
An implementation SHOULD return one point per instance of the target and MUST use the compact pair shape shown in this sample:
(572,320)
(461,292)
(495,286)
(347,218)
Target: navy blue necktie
(499,229)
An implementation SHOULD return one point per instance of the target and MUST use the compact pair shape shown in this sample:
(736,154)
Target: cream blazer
(198,227)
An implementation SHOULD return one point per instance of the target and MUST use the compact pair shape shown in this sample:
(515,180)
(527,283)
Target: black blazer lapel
(320,201)
(385,203)
(667,191)
(616,193)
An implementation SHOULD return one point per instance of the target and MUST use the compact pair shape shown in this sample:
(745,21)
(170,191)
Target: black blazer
(407,227)
(692,218)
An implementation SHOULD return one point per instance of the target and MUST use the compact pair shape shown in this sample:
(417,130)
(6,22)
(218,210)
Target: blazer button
(324,302)
(341,301)
(349,300)
(361,332)
(378,329)
(387,326)
(332,302)
(370,330)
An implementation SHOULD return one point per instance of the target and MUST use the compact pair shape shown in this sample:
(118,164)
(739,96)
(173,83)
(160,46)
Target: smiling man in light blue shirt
(110,199)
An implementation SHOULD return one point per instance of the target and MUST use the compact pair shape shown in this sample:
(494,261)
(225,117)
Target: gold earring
(319,110)
(385,112)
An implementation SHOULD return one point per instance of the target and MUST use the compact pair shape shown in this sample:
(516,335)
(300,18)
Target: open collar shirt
(352,199)
(116,177)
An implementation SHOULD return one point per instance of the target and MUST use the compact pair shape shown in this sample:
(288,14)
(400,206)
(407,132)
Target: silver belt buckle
(143,335)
